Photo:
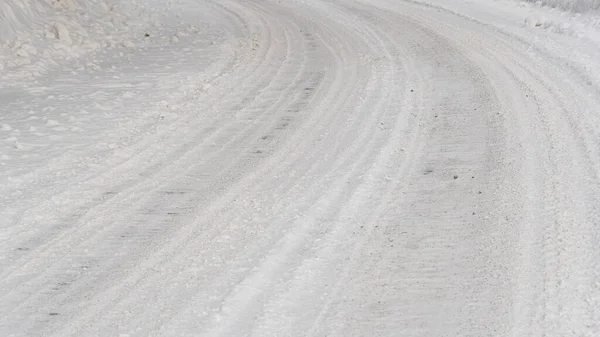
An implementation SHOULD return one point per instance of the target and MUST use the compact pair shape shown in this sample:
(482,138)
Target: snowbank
(35,35)
(576,6)
(577,18)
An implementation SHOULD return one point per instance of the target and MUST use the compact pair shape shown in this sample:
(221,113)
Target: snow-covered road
(307,168)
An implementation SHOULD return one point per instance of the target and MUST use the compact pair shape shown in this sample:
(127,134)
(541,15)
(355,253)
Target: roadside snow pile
(39,34)
(575,6)
(578,18)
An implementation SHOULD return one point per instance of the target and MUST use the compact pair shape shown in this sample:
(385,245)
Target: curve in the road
(350,168)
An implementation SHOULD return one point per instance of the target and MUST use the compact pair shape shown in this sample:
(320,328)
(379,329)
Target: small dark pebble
(411,90)
(479,192)
(147,35)
(53,314)
(455,177)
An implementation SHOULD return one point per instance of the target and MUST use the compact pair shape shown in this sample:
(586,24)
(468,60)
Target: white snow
(577,6)
(64,31)
(299,168)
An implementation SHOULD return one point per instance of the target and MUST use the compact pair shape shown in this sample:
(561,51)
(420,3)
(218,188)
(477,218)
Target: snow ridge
(38,34)
(577,6)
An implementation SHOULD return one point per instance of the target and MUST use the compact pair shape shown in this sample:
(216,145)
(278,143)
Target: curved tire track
(360,168)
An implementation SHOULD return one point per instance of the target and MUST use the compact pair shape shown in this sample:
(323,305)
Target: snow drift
(35,34)
(577,6)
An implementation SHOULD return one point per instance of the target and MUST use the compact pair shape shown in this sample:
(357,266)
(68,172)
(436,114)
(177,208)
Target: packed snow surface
(299,168)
